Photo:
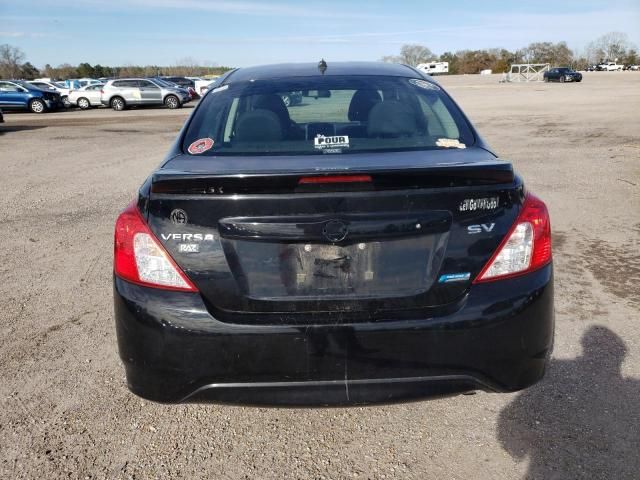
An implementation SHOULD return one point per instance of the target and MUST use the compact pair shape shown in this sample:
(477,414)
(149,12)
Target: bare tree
(611,45)
(210,64)
(473,61)
(548,52)
(411,54)
(415,54)
(391,59)
(593,54)
(28,71)
(11,59)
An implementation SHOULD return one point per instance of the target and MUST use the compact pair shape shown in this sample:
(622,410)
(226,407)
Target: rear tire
(546,79)
(117,103)
(84,103)
(561,79)
(37,106)
(65,102)
(172,102)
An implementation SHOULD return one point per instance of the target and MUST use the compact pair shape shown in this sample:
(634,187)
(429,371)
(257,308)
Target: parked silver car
(124,92)
(86,97)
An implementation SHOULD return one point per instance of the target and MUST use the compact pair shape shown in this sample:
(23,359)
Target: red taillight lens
(525,248)
(334,179)
(139,257)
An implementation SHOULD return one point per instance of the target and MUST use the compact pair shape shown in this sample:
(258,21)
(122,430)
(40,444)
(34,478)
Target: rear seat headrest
(361,104)
(391,119)
(275,104)
(258,126)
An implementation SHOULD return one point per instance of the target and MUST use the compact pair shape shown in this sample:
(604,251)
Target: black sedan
(366,246)
(562,74)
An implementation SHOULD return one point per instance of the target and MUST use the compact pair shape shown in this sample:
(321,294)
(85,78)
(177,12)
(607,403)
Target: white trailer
(434,68)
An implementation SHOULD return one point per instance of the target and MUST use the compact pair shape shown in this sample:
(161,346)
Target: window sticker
(450,143)
(423,84)
(200,146)
(331,144)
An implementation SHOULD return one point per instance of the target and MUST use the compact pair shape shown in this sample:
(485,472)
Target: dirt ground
(65,411)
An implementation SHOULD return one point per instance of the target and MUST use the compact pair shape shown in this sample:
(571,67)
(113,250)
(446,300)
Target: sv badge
(482,227)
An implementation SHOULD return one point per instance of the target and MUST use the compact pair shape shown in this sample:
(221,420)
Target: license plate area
(331,269)
(315,271)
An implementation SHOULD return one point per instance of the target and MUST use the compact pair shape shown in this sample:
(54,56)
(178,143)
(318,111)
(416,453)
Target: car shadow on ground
(582,420)
(4,128)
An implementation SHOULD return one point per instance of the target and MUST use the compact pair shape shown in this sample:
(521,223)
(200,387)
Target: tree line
(609,47)
(13,65)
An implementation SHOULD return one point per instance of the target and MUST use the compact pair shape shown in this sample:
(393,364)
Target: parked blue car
(16,94)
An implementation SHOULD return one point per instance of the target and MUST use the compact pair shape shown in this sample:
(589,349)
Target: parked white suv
(125,92)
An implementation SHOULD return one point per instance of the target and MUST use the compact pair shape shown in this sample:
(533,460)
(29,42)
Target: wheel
(65,101)
(117,103)
(562,79)
(83,103)
(172,102)
(287,100)
(546,79)
(37,106)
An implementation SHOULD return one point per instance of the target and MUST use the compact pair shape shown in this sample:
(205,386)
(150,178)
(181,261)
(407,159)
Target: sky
(252,32)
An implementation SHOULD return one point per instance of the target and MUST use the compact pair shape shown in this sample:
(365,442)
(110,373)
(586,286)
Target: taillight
(525,248)
(101,92)
(140,258)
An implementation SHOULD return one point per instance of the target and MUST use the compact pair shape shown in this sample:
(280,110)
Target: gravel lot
(65,411)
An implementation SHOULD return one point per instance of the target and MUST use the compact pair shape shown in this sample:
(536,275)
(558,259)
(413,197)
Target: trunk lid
(264,245)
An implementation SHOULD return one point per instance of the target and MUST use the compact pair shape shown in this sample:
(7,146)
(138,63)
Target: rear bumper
(174,350)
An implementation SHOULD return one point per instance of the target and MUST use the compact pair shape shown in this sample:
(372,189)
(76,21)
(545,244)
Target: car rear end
(51,98)
(107,92)
(170,89)
(184,94)
(74,95)
(572,76)
(264,266)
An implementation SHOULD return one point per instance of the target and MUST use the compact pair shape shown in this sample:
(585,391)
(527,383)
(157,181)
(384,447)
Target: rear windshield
(326,115)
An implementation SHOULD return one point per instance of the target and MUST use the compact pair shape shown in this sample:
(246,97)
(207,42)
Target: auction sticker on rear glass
(331,144)
(200,146)
(450,143)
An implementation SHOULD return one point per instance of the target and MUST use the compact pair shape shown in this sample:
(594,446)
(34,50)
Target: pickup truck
(610,66)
